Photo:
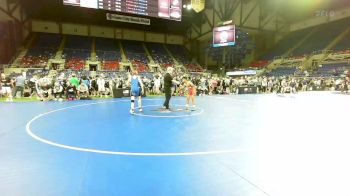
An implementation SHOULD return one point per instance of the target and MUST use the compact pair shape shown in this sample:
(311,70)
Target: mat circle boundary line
(40,139)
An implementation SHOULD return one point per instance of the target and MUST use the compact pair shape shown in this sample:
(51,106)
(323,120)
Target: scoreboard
(167,9)
(224,36)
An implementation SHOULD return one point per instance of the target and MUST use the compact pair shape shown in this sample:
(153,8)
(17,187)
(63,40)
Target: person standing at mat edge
(136,91)
(6,85)
(168,82)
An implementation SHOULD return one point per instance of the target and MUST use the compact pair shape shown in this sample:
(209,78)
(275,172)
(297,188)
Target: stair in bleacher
(149,56)
(93,50)
(286,43)
(160,56)
(23,51)
(170,54)
(59,52)
(42,47)
(343,43)
(136,55)
(124,59)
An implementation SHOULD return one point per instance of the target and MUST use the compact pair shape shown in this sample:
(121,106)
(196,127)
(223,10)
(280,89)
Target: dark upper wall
(54,10)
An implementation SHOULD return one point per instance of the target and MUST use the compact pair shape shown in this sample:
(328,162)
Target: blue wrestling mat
(240,145)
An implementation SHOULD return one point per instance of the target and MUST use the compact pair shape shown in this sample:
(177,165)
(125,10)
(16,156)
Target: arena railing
(17,65)
(278,57)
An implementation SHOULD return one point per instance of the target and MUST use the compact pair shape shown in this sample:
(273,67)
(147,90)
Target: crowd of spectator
(226,85)
(72,86)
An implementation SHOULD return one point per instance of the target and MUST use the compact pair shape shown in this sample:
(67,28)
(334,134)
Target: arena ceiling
(257,16)
(296,10)
(253,15)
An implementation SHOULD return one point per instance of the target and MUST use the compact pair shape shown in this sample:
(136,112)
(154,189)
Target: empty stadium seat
(140,66)
(110,65)
(282,71)
(134,51)
(77,50)
(107,49)
(75,64)
(192,67)
(159,54)
(332,69)
(180,53)
(261,63)
(43,48)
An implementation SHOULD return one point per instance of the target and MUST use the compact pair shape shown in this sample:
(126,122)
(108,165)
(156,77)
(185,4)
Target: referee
(167,86)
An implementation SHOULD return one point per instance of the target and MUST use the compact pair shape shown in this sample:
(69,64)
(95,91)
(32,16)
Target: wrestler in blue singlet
(135,86)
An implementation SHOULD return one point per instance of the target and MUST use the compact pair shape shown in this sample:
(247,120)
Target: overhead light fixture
(189,6)
(184,6)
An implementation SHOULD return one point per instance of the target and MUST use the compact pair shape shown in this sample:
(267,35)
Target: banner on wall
(241,73)
(128,19)
(198,5)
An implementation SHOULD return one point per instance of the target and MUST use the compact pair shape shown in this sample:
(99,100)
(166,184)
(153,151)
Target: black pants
(167,99)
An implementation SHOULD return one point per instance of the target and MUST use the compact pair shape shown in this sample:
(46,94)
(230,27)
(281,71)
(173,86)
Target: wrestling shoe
(166,110)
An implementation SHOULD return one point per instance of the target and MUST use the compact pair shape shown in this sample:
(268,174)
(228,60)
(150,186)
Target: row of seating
(78,49)
(318,38)
(75,64)
(135,52)
(332,69)
(140,66)
(110,65)
(108,55)
(107,49)
(166,65)
(192,67)
(180,53)
(43,48)
(159,54)
(282,71)
(260,63)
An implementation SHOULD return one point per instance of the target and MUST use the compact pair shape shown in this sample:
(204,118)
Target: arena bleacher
(42,49)
(282,71)
(159,54)
(293,52)
(180,53)
(321,38)
(108,51)
(77,50)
